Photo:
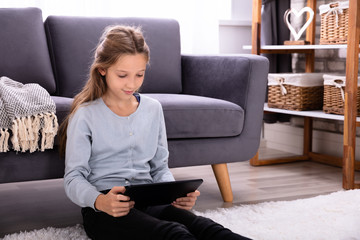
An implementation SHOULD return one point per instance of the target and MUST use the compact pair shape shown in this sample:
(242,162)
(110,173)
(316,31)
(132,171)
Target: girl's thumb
(118,189)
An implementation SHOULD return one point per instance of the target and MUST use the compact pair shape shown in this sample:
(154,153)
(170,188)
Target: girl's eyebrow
(124,71)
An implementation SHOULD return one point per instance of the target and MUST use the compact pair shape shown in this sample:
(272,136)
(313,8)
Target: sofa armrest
(241,79)
(229,77)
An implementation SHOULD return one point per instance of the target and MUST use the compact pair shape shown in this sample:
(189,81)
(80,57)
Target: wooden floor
(38,204)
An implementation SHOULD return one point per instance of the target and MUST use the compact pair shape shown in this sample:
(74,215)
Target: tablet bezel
(161,193)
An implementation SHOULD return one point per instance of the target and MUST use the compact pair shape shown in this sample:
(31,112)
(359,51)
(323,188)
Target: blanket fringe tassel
(4,139)
(26,132)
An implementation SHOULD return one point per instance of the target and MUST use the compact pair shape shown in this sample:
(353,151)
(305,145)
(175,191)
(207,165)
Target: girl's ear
(102,71)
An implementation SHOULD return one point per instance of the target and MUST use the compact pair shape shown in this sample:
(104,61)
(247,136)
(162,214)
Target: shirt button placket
(130,132)
(131,141)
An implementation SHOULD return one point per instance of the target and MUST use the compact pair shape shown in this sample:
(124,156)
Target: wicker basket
(295,91)
(334,23)
(334,94)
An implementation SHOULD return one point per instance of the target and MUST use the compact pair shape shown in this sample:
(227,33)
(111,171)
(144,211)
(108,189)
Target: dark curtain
(275,32)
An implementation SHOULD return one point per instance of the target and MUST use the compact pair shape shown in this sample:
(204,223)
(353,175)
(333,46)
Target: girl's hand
(114,203)
(187,202)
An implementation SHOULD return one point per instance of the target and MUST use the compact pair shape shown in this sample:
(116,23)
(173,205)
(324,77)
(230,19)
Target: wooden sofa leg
(223,181)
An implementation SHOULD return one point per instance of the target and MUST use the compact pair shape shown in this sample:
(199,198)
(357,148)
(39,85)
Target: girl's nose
(131,83)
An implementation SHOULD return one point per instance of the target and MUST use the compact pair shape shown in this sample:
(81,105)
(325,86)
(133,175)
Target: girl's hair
(115,42)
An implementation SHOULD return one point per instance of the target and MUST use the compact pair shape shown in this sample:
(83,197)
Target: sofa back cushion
(23,48)
(72,41)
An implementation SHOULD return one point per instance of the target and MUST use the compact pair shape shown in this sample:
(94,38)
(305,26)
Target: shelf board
(298,47)
(313,114)
(234,23)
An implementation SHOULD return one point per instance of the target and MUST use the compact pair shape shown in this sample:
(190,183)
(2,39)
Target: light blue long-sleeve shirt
(104,150)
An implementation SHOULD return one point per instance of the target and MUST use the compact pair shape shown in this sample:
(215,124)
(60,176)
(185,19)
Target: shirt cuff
(91,197)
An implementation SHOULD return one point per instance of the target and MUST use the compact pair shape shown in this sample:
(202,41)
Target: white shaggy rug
(332,217)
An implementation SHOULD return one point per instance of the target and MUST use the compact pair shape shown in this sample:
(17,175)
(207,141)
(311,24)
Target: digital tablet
(161,193)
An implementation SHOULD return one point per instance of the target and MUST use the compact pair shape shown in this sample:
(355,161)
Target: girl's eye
(122,76)
(140,75)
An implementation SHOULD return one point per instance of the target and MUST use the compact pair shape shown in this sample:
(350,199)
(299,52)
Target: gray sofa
(213,105)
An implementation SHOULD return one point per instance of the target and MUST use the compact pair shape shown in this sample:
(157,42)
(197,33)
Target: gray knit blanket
(27,117)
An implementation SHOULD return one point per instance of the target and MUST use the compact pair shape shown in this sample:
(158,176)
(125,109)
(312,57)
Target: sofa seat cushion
(188,116)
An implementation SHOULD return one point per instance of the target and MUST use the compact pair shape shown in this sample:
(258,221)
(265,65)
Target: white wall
(198,19)
(287,138)
(235,31)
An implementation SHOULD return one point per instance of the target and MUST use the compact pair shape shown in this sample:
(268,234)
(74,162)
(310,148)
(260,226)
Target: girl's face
(125,76)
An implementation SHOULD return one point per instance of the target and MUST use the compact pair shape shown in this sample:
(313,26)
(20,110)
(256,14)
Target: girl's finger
(194,194)
(187,199)
(121,197)
(182,207)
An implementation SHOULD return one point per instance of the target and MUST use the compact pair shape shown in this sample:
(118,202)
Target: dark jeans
(158,222)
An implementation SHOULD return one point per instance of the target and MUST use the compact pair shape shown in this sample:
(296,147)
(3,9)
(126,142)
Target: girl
(116,137)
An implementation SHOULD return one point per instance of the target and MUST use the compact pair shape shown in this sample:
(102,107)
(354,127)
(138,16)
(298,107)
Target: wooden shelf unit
(347,162)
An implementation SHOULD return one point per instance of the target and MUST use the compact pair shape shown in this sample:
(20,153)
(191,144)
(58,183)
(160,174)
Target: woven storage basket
(295,91)
(334,23)
(334,94)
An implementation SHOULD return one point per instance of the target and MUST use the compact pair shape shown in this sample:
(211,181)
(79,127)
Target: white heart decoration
(297,35)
